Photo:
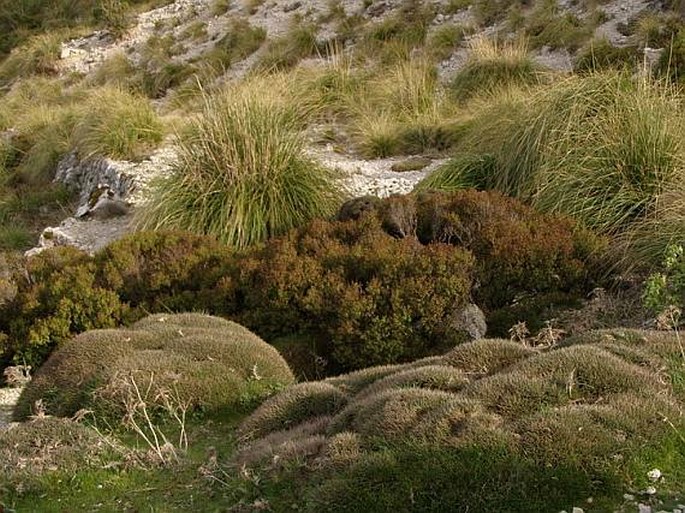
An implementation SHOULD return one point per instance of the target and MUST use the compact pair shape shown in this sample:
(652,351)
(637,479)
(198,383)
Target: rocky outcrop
(93,178)
(108,191)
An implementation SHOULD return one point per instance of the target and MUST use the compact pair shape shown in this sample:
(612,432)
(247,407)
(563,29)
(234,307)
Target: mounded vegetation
(546,429)
(383,285)
(421,418)
(207,363)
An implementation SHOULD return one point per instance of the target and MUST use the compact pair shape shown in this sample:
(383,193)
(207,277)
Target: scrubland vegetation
(265,342)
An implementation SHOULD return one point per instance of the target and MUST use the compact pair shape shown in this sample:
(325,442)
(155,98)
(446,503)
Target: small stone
(650,490)
(628,497)
(577,510)
(654,475)
(643,508)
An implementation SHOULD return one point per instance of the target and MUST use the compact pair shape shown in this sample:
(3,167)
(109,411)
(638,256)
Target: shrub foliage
(384,283)
(546,428)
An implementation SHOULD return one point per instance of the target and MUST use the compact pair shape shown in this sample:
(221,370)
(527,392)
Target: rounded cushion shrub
(547,427)
(434,377)
(30,450)
(209,368)
(355,381)
(287,409)
(487,356)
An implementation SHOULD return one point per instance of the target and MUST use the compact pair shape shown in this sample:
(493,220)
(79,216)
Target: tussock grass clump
(297,403)
(241,40)
(403,111)
(219,366)
(288,50)
(392,39)
(38,56)
(242,175)
(602,148)
(117,124)
(601,55)
(492,65)
(548,25)
(445,39)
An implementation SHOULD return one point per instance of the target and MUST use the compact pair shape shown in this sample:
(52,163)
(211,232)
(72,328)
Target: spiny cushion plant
(541,429)
(33,449)
(603,148)
(209,363)
(242,174)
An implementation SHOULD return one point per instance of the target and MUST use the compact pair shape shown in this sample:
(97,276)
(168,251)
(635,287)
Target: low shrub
(207,364)
(168,271)
(514,254)
(361,294)
(666,288)
(57,297)
(544,429)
